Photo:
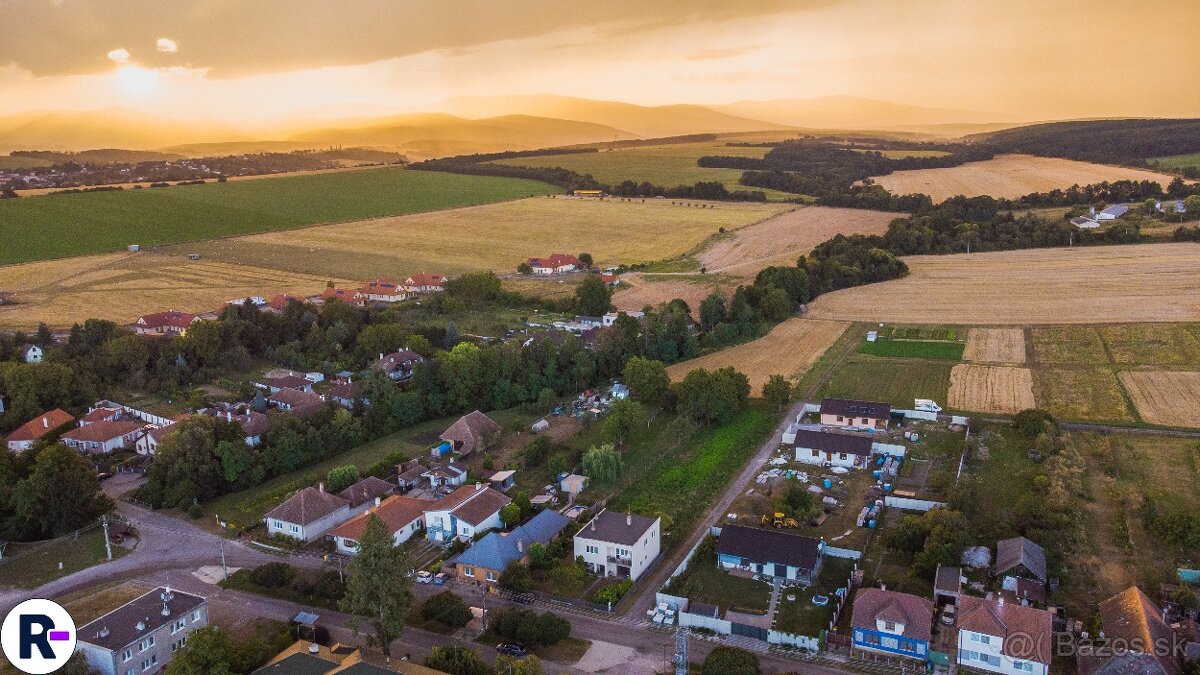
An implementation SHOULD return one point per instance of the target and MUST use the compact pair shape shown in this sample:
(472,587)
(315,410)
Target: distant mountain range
(477,124)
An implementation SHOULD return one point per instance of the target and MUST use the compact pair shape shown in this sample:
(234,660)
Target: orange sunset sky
(243,60)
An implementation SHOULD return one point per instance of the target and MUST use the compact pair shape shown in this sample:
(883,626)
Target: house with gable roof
(556,263)
(891,623)
(486,559)
(1004,637)
(171,322)
(840,412)
(23,437)
(1135,639)
(469,510)
(471,432)
(1022,558)
(403,516)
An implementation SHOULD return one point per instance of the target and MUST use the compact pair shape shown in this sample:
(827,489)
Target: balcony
(618,560)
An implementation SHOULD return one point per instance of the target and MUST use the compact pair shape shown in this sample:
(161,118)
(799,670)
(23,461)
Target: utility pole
(107,544)
(681,651)
(224,569)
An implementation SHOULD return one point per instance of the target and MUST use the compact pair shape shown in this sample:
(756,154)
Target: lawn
(894,381)
(1137,344)
(679,483)
(246,508)
(665,165)
(800,616)
(704,581)
(565,652)
(914,349)
(54,226)
(36,564)
(1177,161)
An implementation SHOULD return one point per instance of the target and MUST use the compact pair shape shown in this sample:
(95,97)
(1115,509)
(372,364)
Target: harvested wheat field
(121,287)
(789,350)
(787,236)
(1163,397)
(994,389)
(640,290)
(1010,176)
(1099,284)
(995,345)
(492,237)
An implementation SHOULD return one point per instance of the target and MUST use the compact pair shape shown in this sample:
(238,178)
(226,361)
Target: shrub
(612,593)
(273,575)
(516,577)
(341,477)
(730,661)
(530,628)
(447,609)
(195,511)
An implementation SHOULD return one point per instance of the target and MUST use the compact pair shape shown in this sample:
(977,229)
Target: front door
(781,570)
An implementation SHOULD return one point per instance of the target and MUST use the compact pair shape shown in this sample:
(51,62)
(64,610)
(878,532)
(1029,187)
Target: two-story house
(772,553)
(1003,637)
(891,623)
(467,511)
(31,353)
(840,412)
(25,436)
(142,635)
(621,545)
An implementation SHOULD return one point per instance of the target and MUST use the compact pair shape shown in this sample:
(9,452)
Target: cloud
(716,54)
(120,55)
(166,45)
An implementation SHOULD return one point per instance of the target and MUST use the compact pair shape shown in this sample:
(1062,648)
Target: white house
(308,514)
(381,290)
(142,635)
(1112,213)
(770,553)
(404,517)
(25,436)
(467,511)
(103,436)
(31,353)
(611,318)
(840,412)
(619,545)
(1000,637)
(831,449)
(556,263)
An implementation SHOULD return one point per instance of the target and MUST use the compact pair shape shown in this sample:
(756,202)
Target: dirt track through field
(1098,284)
(1167,398)
(995,345)
(1010,176)
(994,389)
(789,350)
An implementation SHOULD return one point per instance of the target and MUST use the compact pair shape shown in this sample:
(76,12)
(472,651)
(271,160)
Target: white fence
(775,637)
(680,603)
(836,552)
(888,449)
(911,504)
(718,626)
(917,415)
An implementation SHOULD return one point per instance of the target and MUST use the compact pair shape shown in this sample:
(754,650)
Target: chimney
(45,422)
(377,500)
(1000,600)
(380,356)
(521,549)
(628,519)
(478,486)
(321,486)
(593,524)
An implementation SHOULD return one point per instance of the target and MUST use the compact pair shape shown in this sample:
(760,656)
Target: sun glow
(137,81)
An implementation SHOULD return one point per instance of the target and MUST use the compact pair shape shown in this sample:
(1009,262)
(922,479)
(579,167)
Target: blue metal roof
(496,550)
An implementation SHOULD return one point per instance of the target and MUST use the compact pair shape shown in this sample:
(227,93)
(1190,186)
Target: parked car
(949,614)
(439,579)
(424,577)
(511,649)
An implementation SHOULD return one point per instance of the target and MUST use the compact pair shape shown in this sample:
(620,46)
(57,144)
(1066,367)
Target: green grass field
(1177,161)
(53,226)
(665,165)
(914,349)
(36,564)
(894,381)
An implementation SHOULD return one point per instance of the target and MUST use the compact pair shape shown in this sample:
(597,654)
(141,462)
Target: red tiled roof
(281,301)
(481,507)
(396,512)
(382,287)
(1001,619)
(168,319)
(99,415)
(1133,618)
(425,280)
(556,260)
(41,425)
(294,397)
(306,506)
(102,431)
(469,431)
(339,293)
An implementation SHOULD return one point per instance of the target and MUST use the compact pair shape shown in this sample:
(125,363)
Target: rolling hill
(851,112)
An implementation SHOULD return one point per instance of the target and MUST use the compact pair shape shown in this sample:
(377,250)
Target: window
(491,576)
(816,452)
(296,529)
(128,654)
(468,571)
(981,639)
(195,616)
(177,645)
(889,626)
(1023,665)
(150,662)
(841,419)
(593,549)
(178,626)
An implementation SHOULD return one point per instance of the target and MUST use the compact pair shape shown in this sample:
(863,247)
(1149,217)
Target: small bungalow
(398,366)
(23,437)
(299,403)
(831,449)
(499,480)
(771,553)
(103,437)
(473,431)
(410,474)
(347,394)
(403,516)
(839,412)
(947,585)
(274,383)
(556,263)
(573,484)
(369,489)
(381,290)
(31,353)
(890,623)
(445,476)
(486,559)
(1112,213)
(424,283)
(1084,223)
(1132,621)
(308,514)
(171,322)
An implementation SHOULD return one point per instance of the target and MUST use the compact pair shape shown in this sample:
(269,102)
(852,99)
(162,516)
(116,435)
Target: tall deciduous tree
(777,391)
(592,296)
(625,419)
(61,494)
(209,651)
(647,379)
(602,464)
(377,591)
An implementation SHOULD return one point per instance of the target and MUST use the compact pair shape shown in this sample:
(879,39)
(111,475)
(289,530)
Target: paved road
(715,514)
(166,543)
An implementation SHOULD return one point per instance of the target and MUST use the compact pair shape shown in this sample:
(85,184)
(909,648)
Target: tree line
(1130,142)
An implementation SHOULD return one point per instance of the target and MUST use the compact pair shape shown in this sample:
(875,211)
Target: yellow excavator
(779,521)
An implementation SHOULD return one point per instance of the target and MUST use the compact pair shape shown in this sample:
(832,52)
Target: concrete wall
(841,553)
(775,637)
(718,626)
(911,504)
